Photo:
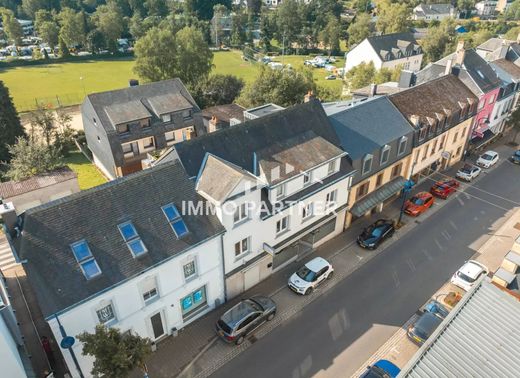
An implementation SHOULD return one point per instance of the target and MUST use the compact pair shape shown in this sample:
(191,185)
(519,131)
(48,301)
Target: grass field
(88,175)
(70,81)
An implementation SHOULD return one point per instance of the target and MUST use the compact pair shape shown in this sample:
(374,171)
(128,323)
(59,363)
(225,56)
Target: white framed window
(85,259)
(148,142)
(307,178)
(308,211)
(280,191)
(282,225)
(241,213)
(331,197)
(422,133)
(127,148)
(385,154)
(242,247)
(149,290)
(132,239)
(402,146)
(189,269)
(367,164)
(170,137)
(106,314)
(174,218)
(166,117)
(331,167)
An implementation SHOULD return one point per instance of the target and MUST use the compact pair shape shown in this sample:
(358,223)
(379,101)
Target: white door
(251,277)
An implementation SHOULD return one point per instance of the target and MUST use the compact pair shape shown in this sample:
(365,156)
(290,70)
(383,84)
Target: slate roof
(392,43)
(368,126)
(479,338)
(225,112)
(132,103)
(15,188)
(237,144)
(442,96)
(218,178)
(492,44)
(475,72)
(93,215)
(434,9)
(291,157)
(508,67)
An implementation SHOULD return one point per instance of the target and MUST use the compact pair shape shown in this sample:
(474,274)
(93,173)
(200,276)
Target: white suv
(305,280)
(468,172)
(468,274)
(487,159)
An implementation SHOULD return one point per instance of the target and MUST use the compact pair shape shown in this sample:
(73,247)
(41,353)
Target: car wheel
(271,316)
(330,275)
(308,291)
(240,340)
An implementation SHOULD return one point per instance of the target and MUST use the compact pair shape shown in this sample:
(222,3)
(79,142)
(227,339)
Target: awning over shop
(376,197)
(487,136)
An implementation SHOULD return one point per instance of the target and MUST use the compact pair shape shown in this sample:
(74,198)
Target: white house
(486,8)
(387,51)
(279,185)
(431,12)
(125,255)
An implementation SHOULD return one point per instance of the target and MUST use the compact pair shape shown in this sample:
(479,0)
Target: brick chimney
(449,65)
(213,124)
(373,90)
(503,50)
(460,53)
(309,96)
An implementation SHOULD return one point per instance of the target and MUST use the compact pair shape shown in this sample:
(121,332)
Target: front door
(157,325)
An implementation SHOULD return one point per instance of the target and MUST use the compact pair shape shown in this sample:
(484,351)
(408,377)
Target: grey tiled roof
(479,338)
(225,112)
(383,44)
(93,215)
(134,101)
(368,126)
(15,188)
(508,67)
(435,9)
(237,144)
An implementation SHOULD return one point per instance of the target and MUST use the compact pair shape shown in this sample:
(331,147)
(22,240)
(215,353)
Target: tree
(109,21)
(513,12)
(283,87)
(359,29)
(49,32)
(512,34)
(10,126)
(30,157)
(42,123)
(392,17)
(331,34)
(203,9)
(30,7)
(161,55)
(266,30)
(156,8)
(479,37)
(218,90)
(465,7)
(116,354)
(361,75)
(288,23)
(514,122)
(439,40)
(72,30)
(12,27)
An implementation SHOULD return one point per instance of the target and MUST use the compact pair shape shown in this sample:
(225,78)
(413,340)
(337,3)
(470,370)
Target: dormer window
(132,239)
(166,117)
(367,164)
(307,178)
(402,146)
(422,133)
(186,114)
(176,222)
(280,191)
(86,261)
(123,129)
(385,154)
(331,167)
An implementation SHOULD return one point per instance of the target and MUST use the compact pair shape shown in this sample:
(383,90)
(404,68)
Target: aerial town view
(259,188)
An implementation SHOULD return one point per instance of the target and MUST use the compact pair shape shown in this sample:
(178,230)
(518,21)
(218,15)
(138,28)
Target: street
(341,329)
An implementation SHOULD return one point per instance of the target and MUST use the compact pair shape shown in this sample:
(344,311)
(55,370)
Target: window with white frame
(132,239)
(149,290)
(402,146)
(331,197)
(241,213)
(106,314)
(189,269)
(85,259)
(307,178)
(282,225)
(385,154)
(166,117)
(422,133)
(174,218)
(307,211)
(367,164)
(170,137)
(242,247)
(331,167)
(280,191)
(148,142)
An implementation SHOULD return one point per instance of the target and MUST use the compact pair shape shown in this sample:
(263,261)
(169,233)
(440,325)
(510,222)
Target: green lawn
(88,175)
(69,81)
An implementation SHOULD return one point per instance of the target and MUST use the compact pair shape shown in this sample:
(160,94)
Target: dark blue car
(381,369)
(516,157)
(376,233)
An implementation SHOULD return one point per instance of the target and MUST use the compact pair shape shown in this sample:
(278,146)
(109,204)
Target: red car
(418,204)
(444,188)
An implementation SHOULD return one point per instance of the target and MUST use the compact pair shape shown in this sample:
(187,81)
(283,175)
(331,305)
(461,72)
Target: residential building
(39,189)
(486,8)
(220,117)
(387,51)
(441,111)
(125,255)
(279,184)
(261,111)
(372,90)
(478,338)
(123,126)
(379,141)
(431,12)
(508,275)
(478,76)
(503,5)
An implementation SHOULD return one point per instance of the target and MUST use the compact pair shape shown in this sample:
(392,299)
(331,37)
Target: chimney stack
(133,83)
(373,90)
(8,215)
(309,96)
(460,53)
(213,124)
(449,64)
(503,50)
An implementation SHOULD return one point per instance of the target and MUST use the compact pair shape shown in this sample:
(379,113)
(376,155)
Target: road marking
(452,224)
(460,201)
(446,234)
(438,244)
(396,279)
(411,265)
(427,254)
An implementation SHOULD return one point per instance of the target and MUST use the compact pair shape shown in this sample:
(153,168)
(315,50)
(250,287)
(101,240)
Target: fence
(50,102)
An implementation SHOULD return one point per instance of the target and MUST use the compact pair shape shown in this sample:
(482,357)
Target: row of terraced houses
(196,214)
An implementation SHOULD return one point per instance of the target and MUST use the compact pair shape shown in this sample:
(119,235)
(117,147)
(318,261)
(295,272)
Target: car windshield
(377,232)
(417,201)
(466,170)
(440,186)
(517,153)
(255,305)
(223,325)
(376,372)
(306,274)
(487,157)
(465,277)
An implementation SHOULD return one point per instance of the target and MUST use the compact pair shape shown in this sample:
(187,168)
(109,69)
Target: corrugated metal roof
(479,338)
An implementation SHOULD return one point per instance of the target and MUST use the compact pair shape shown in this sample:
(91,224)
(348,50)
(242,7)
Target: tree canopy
(10,126)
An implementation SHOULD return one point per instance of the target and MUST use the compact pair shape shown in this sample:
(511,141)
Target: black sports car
(374,234)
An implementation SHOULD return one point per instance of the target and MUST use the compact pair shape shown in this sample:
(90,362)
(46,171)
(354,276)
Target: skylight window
(86,261)
(173,216)
(132,239)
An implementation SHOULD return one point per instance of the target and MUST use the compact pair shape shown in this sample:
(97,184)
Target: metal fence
(50,102)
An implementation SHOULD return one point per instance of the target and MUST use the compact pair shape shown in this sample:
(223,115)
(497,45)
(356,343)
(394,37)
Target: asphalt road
(335,334)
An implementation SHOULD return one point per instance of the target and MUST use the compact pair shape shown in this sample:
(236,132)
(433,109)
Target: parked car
(422,329)
(436,309)
(418,204)
(376,233)
(244,317)
(381,369)
(468,172)
(330,77)
(516,157)
(487,159)
(444,188)
(468,274)
(305,280)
